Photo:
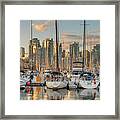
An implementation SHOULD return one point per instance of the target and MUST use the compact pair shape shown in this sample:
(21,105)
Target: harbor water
(43,93)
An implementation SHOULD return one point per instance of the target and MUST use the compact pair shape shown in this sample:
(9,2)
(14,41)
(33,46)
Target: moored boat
(56,80)
(88,80)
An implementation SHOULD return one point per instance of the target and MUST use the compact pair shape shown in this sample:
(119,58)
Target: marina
(37,90)
(54,72)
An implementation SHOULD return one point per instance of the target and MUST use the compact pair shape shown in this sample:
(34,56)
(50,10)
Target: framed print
(60,60)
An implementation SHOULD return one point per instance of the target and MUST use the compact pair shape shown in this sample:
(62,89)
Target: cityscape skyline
(69,31)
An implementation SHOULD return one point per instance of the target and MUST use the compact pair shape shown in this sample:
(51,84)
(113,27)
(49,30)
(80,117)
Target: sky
(69,31)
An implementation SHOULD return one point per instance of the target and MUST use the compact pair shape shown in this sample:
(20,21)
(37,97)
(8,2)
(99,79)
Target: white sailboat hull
(56,84)
(89,84)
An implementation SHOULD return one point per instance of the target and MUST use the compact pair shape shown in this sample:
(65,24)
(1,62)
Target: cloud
(41,27)
(69,38)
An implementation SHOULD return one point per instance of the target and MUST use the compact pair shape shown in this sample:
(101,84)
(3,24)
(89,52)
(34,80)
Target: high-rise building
(24,61)
(60,56)
(22,52)
(42,56)
(63,60)
(48,46)
(22,55)
(74,53)
(71,55)
(34,54)
(75,47)
(96,55)
(54,57)
(67,61)
(87,58)
(50,53)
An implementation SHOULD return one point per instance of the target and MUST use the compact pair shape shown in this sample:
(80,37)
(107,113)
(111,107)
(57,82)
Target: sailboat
(56,80)
(87,79)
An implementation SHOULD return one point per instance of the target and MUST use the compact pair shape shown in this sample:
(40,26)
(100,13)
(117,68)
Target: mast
(31,29)
(84,47)
(56,28)
(31,39)
(92,39)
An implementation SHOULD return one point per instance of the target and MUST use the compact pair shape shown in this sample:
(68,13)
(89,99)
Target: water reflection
(89,94)
(56,94)
(42,93)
